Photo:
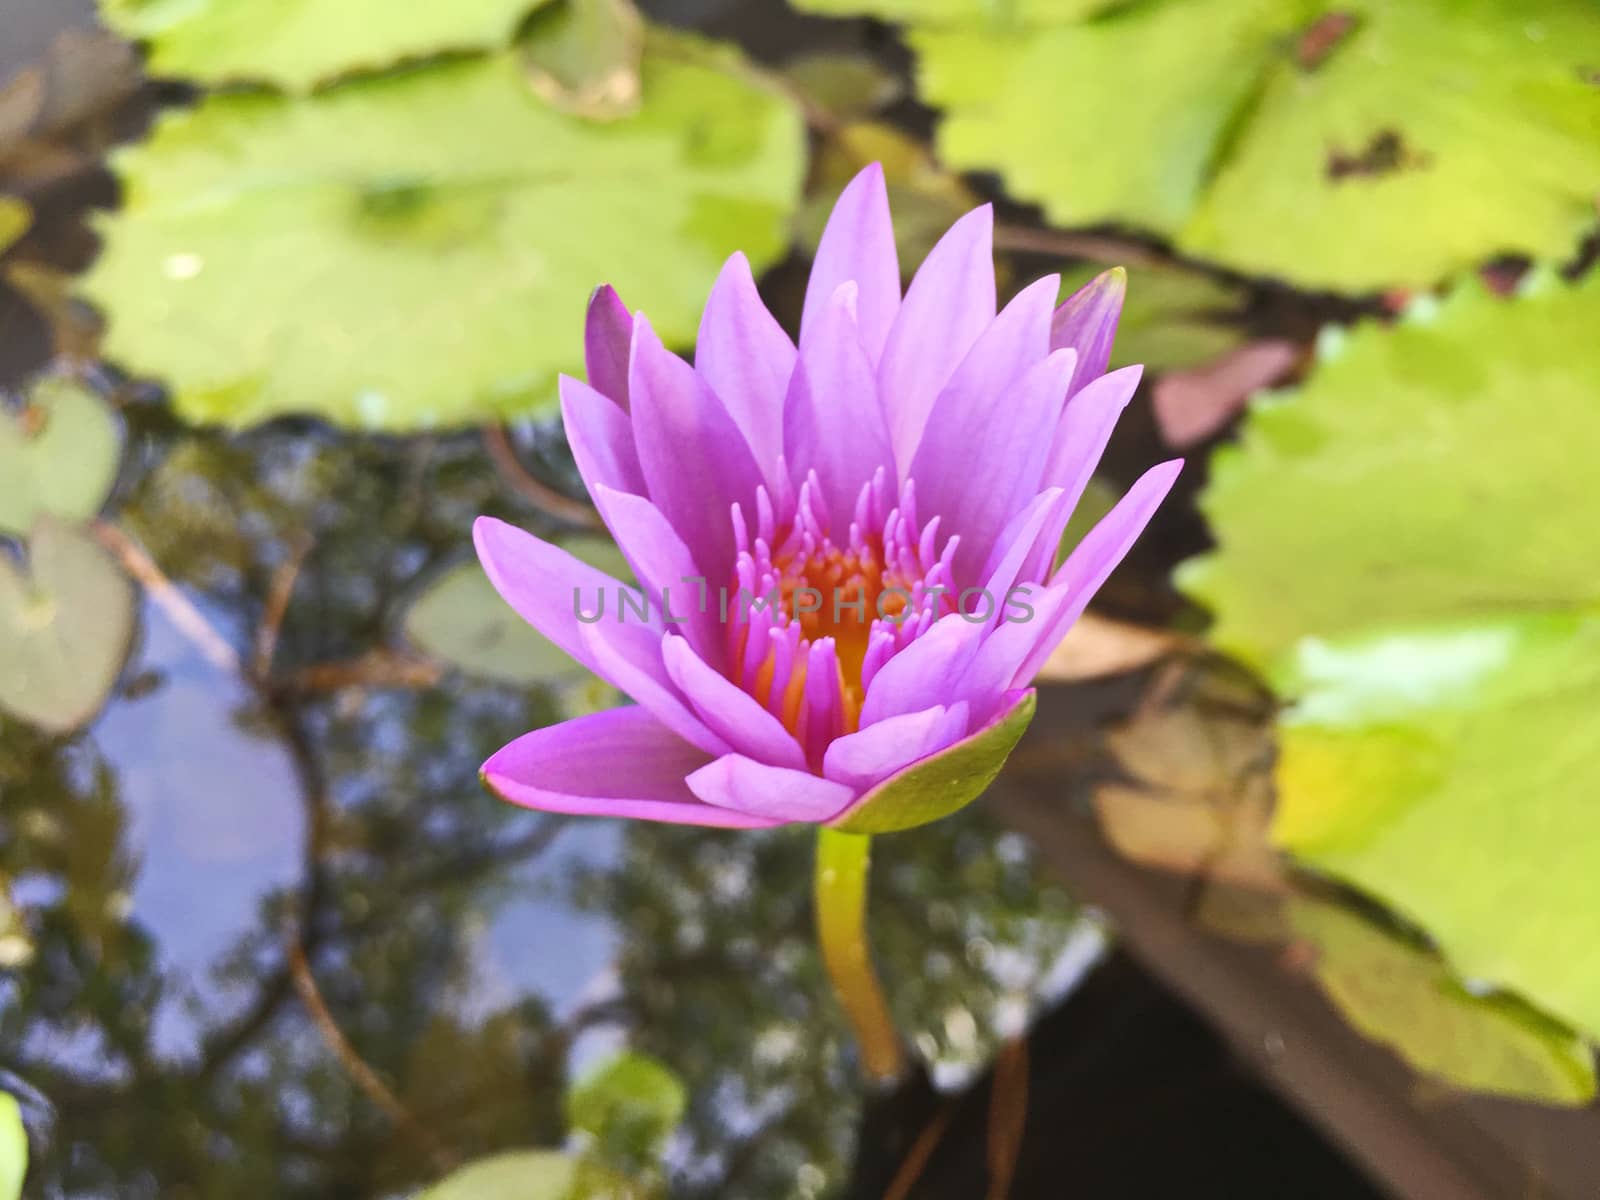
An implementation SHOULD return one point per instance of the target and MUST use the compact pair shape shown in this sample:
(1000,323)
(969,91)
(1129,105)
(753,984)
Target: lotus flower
(898,484)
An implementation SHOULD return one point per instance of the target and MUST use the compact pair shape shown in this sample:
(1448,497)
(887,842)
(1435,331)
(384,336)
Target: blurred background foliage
(284,291)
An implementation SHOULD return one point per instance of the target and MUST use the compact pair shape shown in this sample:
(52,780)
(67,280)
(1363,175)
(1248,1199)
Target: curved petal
(773,793)
(696,463)
(1091,563)
(1086,429)
(1087,322)
(601,437)
(617,763)
(676,587)
(870,755)
(546,585)
(983,462)
(629,658)
(857,246)
(732,714)
(947,307)
(833,421)
(607,342)
(930,666)
(747,358)
(1039,523)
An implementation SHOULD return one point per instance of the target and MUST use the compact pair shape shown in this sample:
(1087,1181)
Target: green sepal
(947,782)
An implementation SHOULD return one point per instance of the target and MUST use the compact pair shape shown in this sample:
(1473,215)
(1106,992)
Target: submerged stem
(841,899)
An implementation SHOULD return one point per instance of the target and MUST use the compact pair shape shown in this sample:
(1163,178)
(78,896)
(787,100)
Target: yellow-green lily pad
(1342,144)
(1406,547)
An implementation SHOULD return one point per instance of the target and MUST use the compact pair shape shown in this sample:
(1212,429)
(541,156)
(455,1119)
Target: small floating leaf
(629,1105)
(65,628)
(58,455)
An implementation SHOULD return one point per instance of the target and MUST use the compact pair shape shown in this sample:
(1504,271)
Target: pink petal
(746,357)
(1091,563)
(696,463)
(1087,323)
(928,669)
(618,763)
(607,342)
(677,588)
(544,584)
(867,757)
(628,656)
(950,303)
(858,247)
(601,437)
(1086,429)
(999,444)
(731,713)
(758,790)
(833,421)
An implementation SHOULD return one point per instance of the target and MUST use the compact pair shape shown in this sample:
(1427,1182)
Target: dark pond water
(475,954)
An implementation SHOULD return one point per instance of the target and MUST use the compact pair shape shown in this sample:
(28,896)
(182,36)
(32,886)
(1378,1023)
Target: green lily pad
(1346,144)
(1423,473)
(629,1105)
(353,256)
(526,1175)
(934,788)
(296,46)
(59,455)
(13,1148)
(65,628)
(15,218)
(1406,547)
(1453,772)
(1398,994)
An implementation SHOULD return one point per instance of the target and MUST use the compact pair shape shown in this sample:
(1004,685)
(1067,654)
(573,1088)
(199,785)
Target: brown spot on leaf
(1384,154)
(1322,36)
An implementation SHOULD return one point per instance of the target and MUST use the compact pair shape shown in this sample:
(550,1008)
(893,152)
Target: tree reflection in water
(470,953)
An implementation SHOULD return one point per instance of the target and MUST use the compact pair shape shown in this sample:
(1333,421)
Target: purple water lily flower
(898,484)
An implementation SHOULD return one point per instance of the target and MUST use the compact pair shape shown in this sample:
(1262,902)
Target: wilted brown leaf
(1098,646)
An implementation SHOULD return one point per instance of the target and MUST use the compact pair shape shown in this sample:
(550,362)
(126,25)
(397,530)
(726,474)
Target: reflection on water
(471,952)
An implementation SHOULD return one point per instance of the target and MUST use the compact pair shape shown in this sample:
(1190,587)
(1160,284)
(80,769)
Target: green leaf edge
(935,787)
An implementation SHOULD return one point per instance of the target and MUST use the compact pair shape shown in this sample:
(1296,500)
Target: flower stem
(841,899)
